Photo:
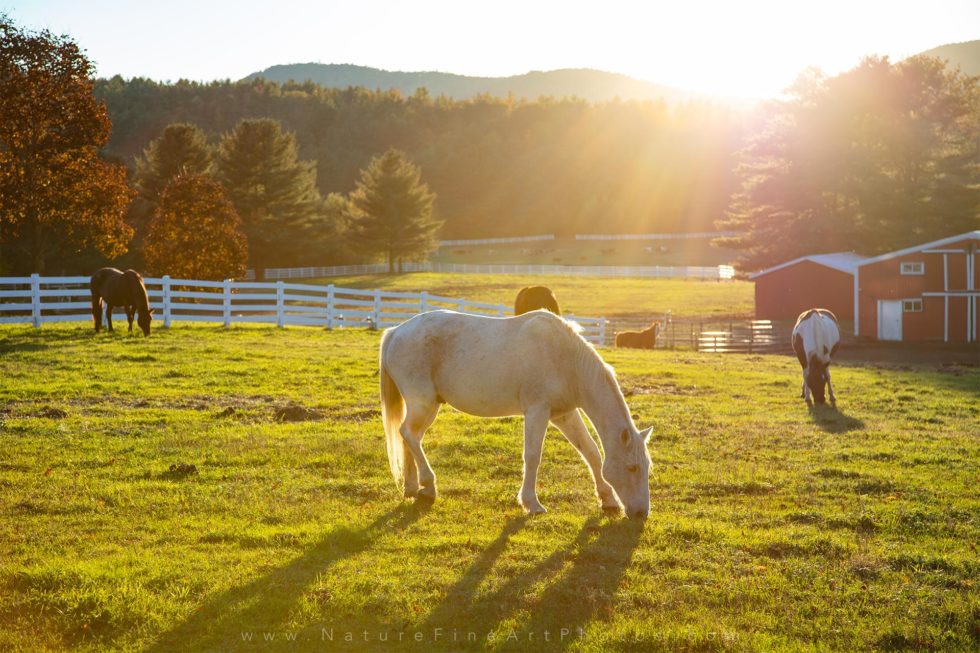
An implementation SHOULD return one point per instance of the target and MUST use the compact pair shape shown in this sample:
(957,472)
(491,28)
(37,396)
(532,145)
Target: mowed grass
(586,296)
(771,526)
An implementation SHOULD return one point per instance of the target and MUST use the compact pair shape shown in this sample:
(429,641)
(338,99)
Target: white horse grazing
(534,365)
(816,337)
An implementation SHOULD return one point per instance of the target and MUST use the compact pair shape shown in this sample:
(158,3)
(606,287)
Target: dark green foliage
(391,211)
(181,147)
(881,157)
(273,191)
(499,166)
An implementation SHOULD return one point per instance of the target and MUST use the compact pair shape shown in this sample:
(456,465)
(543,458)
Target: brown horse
(646,339)
(117,288)
(532,298)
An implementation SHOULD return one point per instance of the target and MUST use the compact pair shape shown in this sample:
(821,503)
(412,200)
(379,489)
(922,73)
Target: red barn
(927,292)
(784,291)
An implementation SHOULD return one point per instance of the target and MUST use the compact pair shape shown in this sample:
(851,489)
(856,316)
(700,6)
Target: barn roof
(918,248)
(842,261)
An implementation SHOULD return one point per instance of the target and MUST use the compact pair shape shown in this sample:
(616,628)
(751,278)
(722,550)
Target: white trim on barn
(841,261)
(918,248)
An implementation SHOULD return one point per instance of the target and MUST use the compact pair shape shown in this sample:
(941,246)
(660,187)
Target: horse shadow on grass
(833,420)
(579,580)
(218,624)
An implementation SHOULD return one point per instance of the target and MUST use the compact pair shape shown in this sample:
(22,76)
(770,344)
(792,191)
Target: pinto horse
(532,298)
(646,339)
(816,337)
(535,365)
(116,288)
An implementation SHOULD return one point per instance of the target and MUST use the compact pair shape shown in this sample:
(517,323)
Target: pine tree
(195,232)
(878,158)
(181,147)
(391,211)
(273,191)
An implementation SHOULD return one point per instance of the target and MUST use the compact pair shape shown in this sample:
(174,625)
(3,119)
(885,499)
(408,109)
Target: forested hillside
(497,166)
(593,85)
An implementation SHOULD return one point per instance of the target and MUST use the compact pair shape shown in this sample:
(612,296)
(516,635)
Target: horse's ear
(152,310)
(625,436)
(645,434)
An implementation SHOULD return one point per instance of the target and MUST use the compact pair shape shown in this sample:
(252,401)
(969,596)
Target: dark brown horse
(646,339)
(116,288)
(532,298)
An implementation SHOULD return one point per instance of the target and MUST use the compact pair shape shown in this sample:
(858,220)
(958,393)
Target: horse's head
(144,319)
(816,380)
(627,469)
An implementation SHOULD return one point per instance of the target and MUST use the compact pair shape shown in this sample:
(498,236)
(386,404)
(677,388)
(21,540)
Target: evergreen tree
(181,147)
(273,191)
(57,195)
(878,158)
(391,211)
(195,232)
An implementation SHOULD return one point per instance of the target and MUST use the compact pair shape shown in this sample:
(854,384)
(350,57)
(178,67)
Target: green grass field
(586,296)
(771,527)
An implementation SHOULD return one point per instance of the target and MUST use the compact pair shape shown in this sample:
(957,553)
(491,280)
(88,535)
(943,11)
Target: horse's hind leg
(420,480)
(108,316)
(574,429)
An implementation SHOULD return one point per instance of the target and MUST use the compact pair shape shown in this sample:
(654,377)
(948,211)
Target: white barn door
(889,319)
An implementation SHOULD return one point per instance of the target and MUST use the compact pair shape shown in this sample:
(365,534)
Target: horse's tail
(392,415)
(96,303)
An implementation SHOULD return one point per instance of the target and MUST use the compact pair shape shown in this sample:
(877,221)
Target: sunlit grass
(586,296)
(771,526)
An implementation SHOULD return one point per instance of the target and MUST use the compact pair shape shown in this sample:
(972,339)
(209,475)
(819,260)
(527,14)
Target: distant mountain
(966,55)
(588,84)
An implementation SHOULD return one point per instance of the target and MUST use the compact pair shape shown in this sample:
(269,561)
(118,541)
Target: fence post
(376,319)
(602,330)
(280,304)
(423,301)
(461,305)
(166,300)
(226,301)
(36,300)
(330,301)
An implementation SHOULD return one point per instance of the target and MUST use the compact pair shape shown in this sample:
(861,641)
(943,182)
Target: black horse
(117,288)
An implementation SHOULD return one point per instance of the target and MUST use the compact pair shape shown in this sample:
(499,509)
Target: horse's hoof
(611,510)
(426,493)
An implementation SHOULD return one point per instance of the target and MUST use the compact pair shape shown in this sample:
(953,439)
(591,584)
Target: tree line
(876,158)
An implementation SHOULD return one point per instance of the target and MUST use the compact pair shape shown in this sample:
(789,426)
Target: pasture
(227,489)
(588,296)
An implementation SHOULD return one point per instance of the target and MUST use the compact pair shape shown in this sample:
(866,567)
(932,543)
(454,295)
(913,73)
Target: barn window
(913,268)
(912,305)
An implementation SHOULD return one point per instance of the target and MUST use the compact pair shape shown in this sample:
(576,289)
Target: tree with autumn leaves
(57,195)
(195,232)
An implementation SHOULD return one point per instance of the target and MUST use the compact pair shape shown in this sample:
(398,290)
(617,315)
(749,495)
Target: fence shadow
(833,420)
(218,624)
(581,578)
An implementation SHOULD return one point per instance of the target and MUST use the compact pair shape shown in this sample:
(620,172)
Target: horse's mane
(588,362)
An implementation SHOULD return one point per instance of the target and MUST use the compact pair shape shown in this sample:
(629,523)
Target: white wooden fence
(703,273)
(36,300)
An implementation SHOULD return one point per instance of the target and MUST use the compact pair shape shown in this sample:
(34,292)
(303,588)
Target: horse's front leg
(574,429)
(830,387)
(535,426)
(108,316)
(130,311)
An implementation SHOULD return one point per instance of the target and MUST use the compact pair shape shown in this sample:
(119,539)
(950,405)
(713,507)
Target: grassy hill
(771,527)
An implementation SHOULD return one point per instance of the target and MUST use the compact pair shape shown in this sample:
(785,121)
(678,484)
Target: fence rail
(704,273)
(36,300)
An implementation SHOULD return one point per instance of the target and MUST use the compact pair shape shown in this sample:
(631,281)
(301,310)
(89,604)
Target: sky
(736,48)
